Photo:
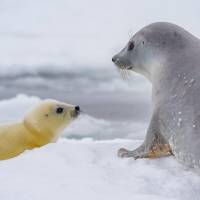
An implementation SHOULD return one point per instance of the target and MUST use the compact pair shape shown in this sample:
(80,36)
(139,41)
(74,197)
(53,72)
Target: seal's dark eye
(131,46)
(59,110)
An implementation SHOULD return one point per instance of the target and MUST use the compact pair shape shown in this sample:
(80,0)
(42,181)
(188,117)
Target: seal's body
(169,57)
(39,127)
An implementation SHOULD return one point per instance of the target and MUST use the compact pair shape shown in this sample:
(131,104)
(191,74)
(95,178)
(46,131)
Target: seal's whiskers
(125,74)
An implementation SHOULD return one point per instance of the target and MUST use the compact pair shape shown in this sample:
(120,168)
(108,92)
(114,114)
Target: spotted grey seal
(169,57)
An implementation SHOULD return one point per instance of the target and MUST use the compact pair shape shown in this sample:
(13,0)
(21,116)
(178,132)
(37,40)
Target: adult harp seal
(169,57)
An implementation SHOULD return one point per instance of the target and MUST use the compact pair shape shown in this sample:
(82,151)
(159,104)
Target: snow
(88,168)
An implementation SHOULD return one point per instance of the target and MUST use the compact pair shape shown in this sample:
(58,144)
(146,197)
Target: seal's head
(50,117)
(148,49)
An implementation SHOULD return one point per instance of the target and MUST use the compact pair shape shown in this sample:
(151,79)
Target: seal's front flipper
(158,150)
(124,153)
(154,146)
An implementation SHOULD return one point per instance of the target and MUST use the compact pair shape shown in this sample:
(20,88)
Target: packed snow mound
(87,169)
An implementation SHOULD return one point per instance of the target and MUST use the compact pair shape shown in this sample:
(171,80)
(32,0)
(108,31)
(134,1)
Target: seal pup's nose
(77,108)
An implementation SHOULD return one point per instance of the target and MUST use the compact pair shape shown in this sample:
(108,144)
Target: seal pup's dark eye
(131,46)
(59,110)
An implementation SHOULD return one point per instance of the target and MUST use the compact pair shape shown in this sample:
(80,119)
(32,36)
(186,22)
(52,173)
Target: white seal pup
(39,127)
(169,57)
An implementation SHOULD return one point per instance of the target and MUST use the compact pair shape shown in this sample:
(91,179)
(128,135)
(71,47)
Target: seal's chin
(125,72)
(123,67)
(75,113)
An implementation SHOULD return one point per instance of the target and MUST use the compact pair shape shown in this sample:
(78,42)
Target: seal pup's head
(148,49)
(50,117)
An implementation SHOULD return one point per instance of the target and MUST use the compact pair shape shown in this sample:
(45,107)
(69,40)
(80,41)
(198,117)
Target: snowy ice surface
(89,169)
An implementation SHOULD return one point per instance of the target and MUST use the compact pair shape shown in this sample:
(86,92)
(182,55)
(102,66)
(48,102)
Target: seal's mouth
(75,113)
(124,67)
(121,65)
(129,68)
(125,74)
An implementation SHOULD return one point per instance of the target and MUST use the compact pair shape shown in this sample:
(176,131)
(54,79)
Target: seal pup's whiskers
(82,112)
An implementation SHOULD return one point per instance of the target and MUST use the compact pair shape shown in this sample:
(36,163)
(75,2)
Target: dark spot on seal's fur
(175,34)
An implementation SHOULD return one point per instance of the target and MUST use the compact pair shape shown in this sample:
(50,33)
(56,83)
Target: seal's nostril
(113,59)
(77,108)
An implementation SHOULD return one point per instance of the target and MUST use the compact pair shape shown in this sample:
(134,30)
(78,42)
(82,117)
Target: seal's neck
(42,137)
(152,68)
